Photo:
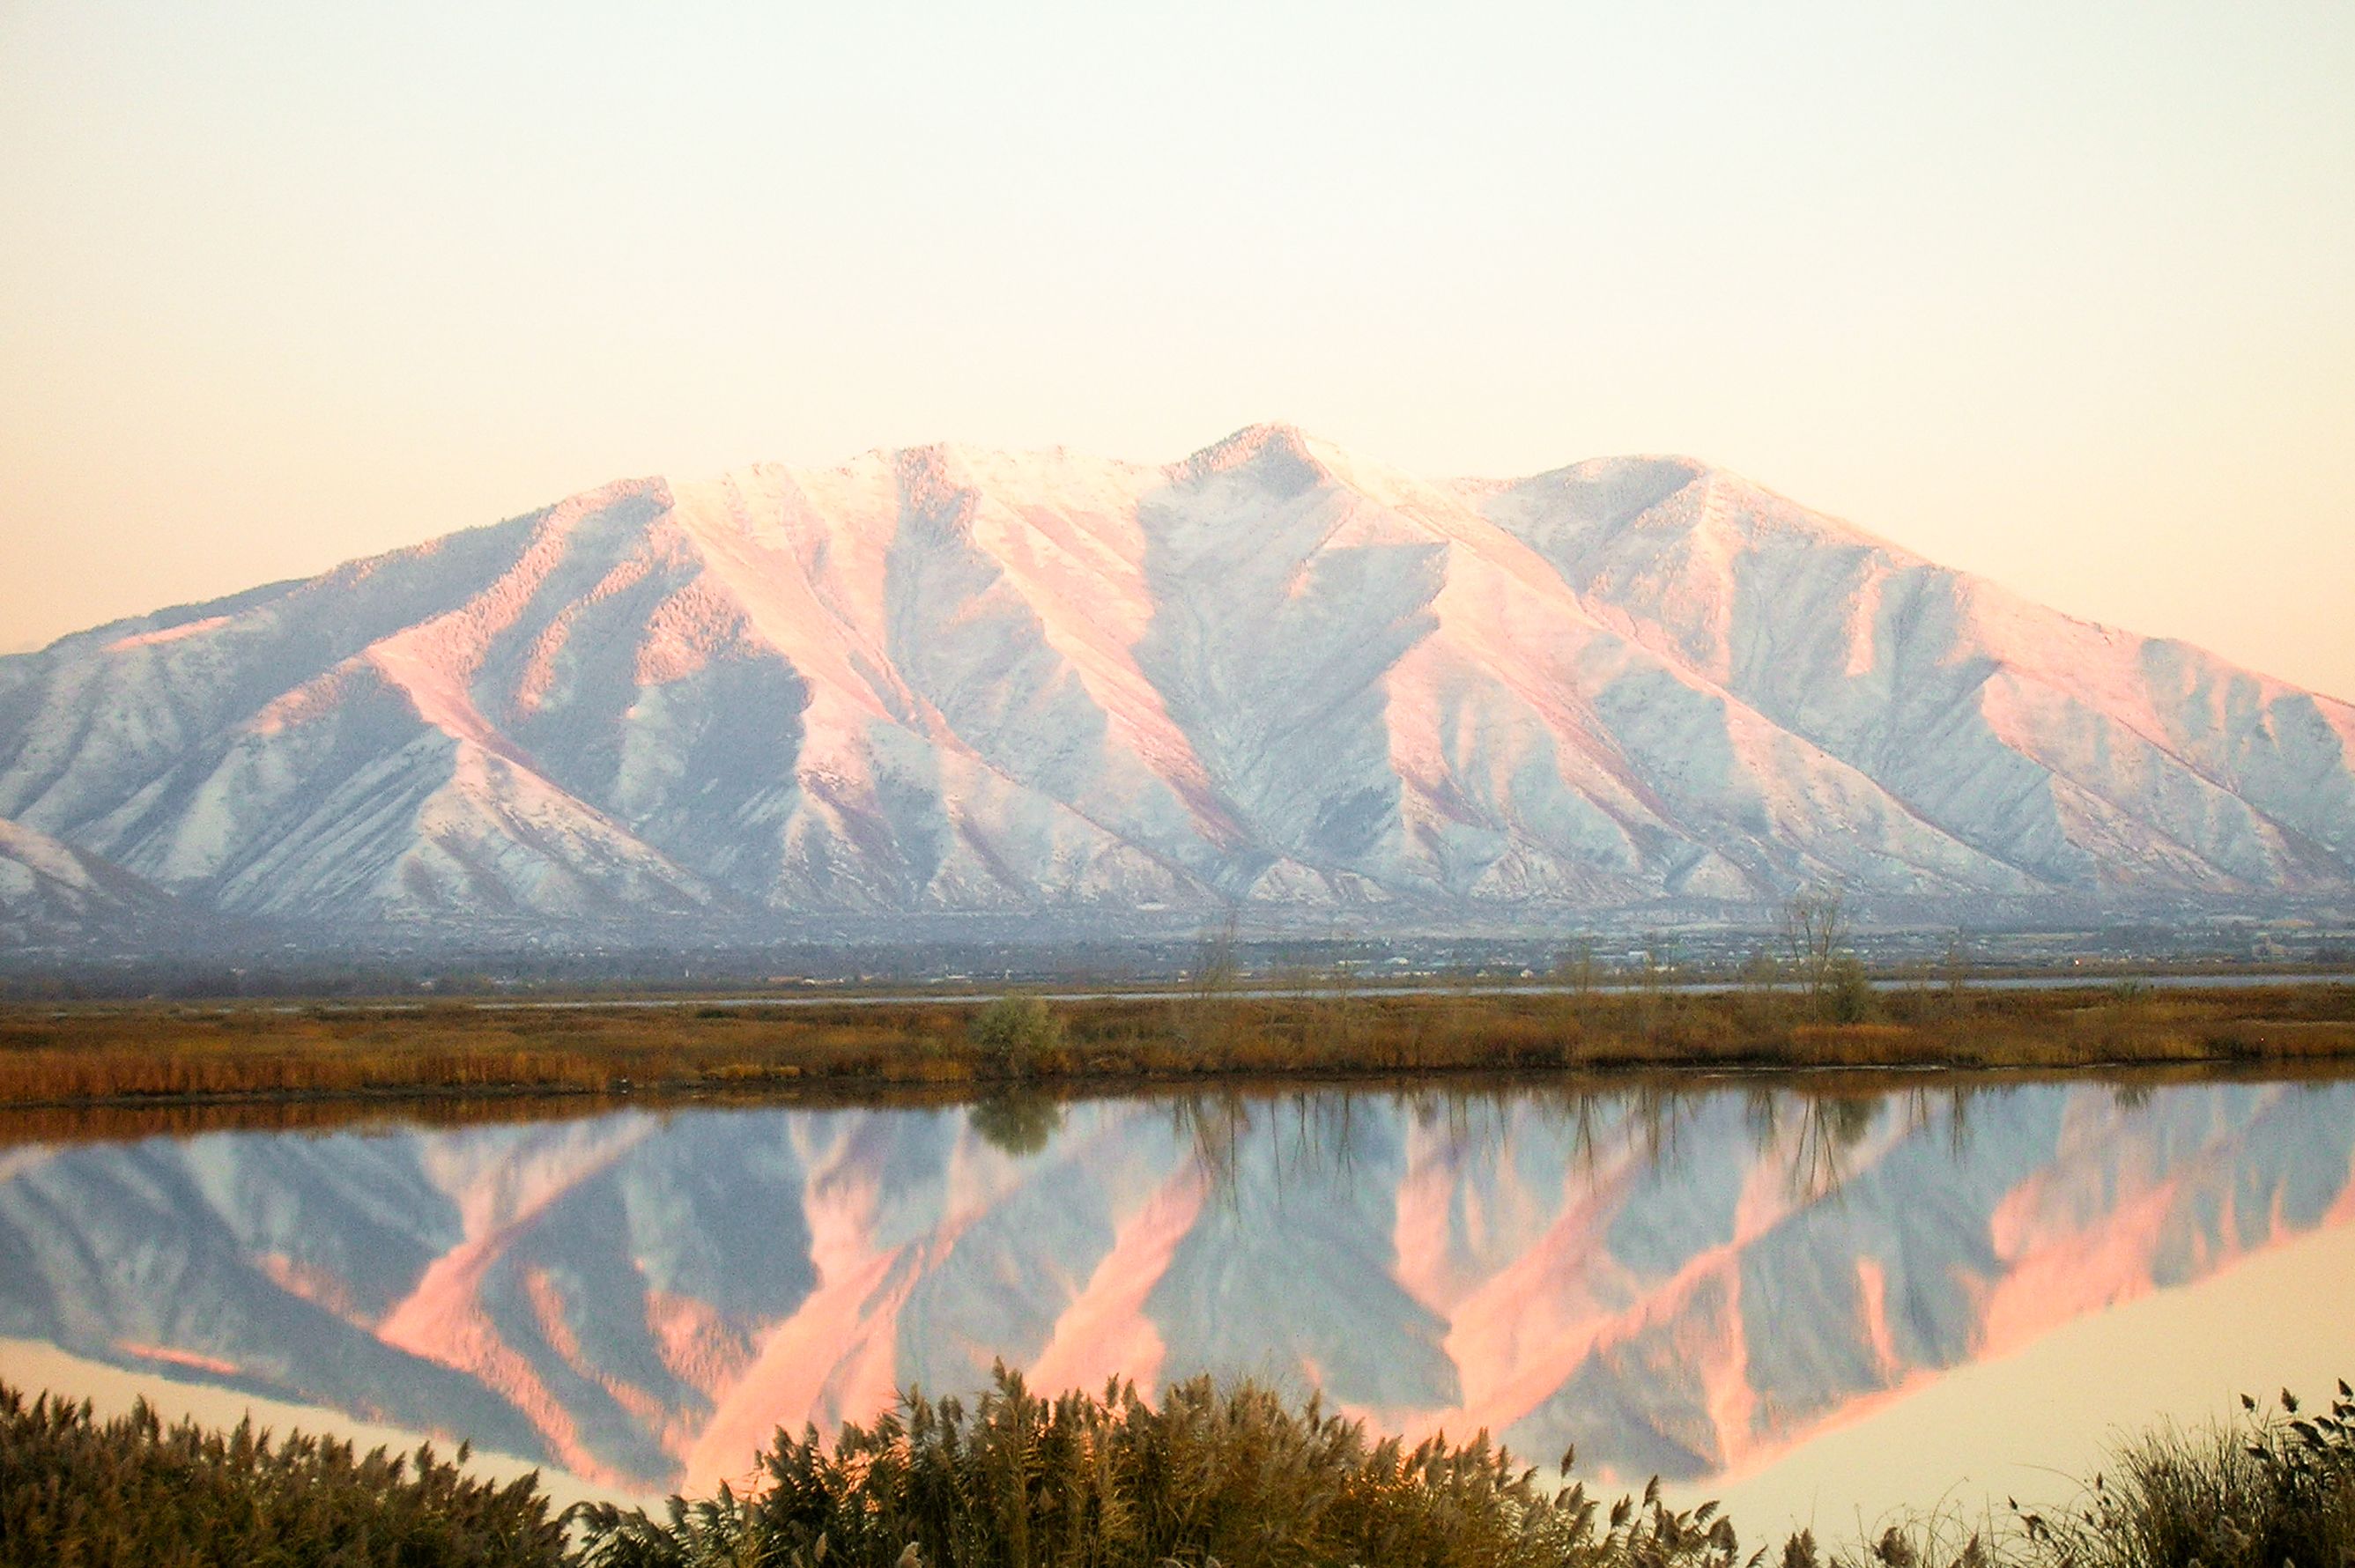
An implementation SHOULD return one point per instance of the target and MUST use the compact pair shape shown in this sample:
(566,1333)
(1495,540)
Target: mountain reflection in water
(1680,1282)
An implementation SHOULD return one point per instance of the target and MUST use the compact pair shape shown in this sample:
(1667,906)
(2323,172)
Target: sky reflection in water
(1687,1282)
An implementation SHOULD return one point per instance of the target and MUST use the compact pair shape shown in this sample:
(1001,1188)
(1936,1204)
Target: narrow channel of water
(1821,1303)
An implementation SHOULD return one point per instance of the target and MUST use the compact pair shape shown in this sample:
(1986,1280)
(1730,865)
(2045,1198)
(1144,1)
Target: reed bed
(166,1054)
(1236,1477)
(2275,1489)
(134,1493)
(1232,1476)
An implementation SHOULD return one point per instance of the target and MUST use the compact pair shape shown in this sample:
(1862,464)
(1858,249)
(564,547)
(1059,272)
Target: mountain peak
(947,681)
(1269,444)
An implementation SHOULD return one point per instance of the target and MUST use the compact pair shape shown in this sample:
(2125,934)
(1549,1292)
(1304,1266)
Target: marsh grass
(1327,1028)
(2273,1489)
(134,1493)
(1240,1478)
(1235,1476)
(1232,1476)
(2277,1487)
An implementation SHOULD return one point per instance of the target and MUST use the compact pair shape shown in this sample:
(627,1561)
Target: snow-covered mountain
(53,895)
(1685,1284)
(946,680)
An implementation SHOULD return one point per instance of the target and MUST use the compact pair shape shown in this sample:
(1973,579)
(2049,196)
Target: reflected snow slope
(1687,1284)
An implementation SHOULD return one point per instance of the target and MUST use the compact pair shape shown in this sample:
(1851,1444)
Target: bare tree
(1957,969)
(1816,931)
(1576,968)
(1205,1017)
(1815,934)
(1654,980)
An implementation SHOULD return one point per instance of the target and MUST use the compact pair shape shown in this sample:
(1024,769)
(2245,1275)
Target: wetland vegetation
(1308,1027)
(1229,1476)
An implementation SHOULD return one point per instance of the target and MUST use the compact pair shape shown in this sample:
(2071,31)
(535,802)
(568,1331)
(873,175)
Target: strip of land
(159,1055)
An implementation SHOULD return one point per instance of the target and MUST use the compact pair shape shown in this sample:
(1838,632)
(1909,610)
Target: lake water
(1818,1303)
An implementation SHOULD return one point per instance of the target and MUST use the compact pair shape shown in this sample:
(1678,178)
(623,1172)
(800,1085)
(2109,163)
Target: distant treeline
(1233,1476)
(234,964)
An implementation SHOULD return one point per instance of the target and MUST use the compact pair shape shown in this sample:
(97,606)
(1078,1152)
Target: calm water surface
(1723,1286)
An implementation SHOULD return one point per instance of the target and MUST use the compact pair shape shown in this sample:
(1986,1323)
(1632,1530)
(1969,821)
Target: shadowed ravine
(1686,1284)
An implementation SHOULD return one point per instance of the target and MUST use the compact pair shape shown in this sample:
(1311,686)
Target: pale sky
(2060,293)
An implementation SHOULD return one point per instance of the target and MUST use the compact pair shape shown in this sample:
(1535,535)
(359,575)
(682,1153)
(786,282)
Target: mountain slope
(52,893)
(2086,755)
(943,680)
(1685,1286)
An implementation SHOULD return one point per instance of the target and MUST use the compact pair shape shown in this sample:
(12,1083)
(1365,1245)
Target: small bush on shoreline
(1015,1034)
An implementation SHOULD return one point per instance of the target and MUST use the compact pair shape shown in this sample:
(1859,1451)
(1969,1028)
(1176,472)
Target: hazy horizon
(2057,298)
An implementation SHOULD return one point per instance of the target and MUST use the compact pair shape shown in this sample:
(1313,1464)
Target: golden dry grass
(174,1054)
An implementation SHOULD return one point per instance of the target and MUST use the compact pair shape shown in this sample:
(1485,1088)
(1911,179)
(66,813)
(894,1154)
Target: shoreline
(176,1058)
(836,1091)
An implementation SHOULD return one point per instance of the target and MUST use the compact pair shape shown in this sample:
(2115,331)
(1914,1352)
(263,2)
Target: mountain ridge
(943,680)
(1685,1286)
(53,895)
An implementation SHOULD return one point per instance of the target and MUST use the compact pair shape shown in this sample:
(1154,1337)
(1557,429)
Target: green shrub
(1018,1122)
(1848,997)
(1013,1033)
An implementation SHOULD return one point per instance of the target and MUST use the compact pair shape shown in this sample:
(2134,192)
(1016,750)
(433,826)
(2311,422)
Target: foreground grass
(2274,1490)
(1234,1478)
(89,1055)
(74,1491)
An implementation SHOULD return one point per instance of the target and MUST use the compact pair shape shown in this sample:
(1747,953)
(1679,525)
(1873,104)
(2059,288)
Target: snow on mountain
(51,892)
(2083,755)
(1685,1284)
(948,680)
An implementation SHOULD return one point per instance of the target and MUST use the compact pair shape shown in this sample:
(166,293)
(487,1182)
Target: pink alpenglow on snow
(645,1299)
(942,681)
